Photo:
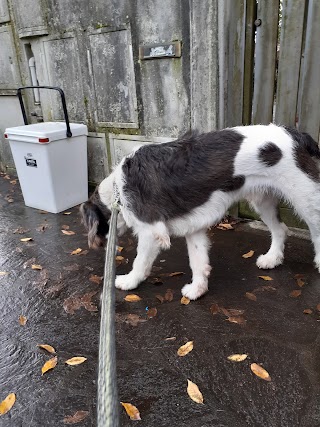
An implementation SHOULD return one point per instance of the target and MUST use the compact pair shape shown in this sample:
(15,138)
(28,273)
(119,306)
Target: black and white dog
(181,188)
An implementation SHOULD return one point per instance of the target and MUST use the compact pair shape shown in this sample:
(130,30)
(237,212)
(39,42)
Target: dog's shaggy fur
(181,188)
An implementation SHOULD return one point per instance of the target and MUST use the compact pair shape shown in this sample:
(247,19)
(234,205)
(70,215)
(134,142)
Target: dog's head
(95,217)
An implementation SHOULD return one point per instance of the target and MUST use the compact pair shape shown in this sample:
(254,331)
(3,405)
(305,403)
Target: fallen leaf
(75,302)
(231,311)
(307,311)
(176,273)
(300,282)
(36,267)
(43,212)
(42,227)
(160,298)
(26,239)
(22,320)
(170,339)
(265,277)
(168,296)
(7,403)
(268,288)
(77,360)
(76,417)
(296,293)
(156,281)
(72,267)
(214,308)
(248,254)
(95,279)
(185,349)
(20,230)
(50,364)
(47,347)
(119,248)
(131,411)
(152,312)
(318,307)
(237,357)
(185,301)
(251,296)
(76,251)
(65,227)
(224,226)
(260,372)
(14,181)
(240,320)
(134,319)
(3,273)
(119,258)
(132,298)
(68,233)
(194,392)
(67,213)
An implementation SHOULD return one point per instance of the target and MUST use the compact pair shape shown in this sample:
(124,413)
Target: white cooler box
(52,169)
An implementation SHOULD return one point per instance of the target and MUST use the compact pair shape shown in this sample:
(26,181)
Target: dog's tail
(95,217)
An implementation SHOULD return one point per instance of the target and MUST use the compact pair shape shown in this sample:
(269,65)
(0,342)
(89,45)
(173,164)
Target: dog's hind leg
(266,206)
(198,248)
(149,245)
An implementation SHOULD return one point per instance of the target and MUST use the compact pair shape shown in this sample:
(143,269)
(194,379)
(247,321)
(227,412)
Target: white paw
(195,290)
(125,282)
(269,261)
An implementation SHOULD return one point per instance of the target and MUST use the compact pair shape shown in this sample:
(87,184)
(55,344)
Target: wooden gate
(272,65)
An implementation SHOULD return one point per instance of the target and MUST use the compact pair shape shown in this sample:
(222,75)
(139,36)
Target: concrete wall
(91,50)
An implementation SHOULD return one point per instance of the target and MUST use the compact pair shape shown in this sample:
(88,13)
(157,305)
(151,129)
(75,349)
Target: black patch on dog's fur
(95,216)
(165,181)
(270,154)
(305,152)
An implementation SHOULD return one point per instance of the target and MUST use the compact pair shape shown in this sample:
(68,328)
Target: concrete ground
(60,304)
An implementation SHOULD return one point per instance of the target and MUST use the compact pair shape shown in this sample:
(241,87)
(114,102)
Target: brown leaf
(26,239)
(307,311)
(132,298)
(185,349)
(152,312)
(77,360)
(47,347)
(68,233)
(214,308)
(194,392)
(156,281)
(50,364)
(237,357)
(248,254)
(14,181)
(119,258)
(36,267)
(240,320)
(65,227)
(318,307)
(20,230)
(22,320)
(7,403)
(231,311)
(260,372)
(296,293)
(42,228)
(75,302)
(95,279)
(225,226)
(168,295)
(131,411)
(185,301)
(119,248)
(76,417)
(300,282)
(72,267)
(160,298)
(76,251)
(265,277)
(176,273)
(134,319)
(251,296)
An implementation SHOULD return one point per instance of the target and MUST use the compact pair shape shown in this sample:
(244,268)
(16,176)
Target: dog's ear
(96,222)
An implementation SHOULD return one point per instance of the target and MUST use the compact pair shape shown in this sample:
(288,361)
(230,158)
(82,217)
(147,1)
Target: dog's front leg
(198,248)
(147,251)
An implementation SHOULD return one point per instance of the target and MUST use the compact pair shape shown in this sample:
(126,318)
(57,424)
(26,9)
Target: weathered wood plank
(309,111)
(251,11)
(265,62)
(289,61)
(235,40)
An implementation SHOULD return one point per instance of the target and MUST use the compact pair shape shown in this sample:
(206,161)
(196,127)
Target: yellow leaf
(7,403)
(36,267)
(300,282)
(119,248)
(185,301)
(265,277)
(50,364)
(76,251)
(68,233)
(225,226)
(132,298)
(22,320)
(185,349)
(237,357)
(131,410)
(3,273)
(119,258)
(26,239)
(47,347)
(260,372)
(248,254)
(75,360)
(194,392)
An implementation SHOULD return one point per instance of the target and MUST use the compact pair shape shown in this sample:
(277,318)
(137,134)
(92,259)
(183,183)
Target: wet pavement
(61,305)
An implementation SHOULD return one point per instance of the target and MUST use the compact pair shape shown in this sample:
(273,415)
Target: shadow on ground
(60,303)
